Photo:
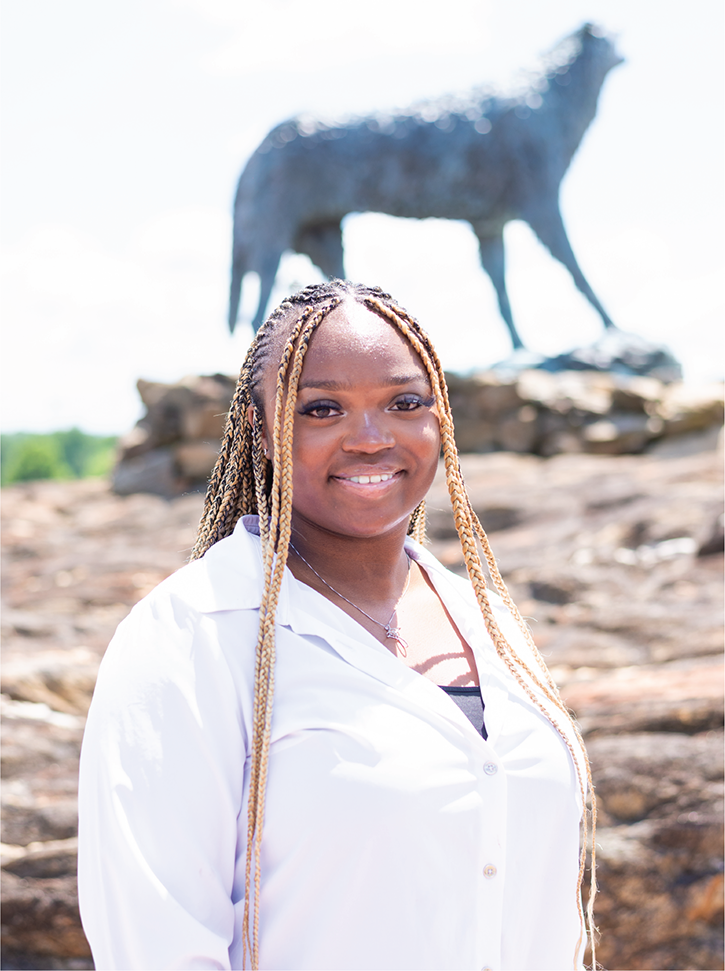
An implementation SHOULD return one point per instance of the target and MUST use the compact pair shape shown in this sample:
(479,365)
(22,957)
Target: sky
(124,127)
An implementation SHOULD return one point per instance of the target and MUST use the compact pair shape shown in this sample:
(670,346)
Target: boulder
(173,447)
(154,471)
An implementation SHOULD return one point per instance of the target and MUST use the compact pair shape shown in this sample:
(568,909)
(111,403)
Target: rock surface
(616,561)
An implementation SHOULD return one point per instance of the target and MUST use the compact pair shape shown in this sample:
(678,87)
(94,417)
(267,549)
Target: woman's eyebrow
(394,381)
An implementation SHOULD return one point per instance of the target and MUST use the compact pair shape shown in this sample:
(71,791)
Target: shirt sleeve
(161,790)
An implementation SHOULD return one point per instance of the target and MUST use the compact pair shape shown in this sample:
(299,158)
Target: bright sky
(125,125)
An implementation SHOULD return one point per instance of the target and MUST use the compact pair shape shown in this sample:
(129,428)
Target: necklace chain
(391,632)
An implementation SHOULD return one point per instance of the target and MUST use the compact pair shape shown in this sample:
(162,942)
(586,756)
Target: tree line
(71,454)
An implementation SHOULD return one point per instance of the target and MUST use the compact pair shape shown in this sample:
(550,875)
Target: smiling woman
(314,747)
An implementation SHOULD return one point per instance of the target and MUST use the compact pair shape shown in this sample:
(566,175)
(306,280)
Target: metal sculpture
(486,159)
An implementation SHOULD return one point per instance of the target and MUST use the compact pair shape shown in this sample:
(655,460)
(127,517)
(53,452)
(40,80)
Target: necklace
(390,631)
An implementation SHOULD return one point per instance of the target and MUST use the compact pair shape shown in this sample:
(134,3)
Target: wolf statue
(485,159)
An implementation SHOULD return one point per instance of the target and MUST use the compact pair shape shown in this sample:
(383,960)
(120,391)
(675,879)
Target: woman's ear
(251,410)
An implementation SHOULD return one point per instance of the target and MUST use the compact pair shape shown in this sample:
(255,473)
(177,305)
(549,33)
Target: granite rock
(614,560)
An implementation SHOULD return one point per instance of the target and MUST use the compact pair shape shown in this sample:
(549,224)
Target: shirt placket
(491,870)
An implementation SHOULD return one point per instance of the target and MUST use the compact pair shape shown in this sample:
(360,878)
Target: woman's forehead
(353,326)
(362,349)
(351,330)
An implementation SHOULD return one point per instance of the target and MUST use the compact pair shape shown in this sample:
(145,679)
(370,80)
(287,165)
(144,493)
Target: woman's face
(366,433)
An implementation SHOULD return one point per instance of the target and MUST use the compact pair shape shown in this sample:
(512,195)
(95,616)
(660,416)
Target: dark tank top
(470,702)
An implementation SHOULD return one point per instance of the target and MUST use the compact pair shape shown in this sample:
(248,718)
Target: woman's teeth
(365,479)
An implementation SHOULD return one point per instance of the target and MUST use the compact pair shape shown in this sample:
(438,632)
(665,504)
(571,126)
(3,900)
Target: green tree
(70,454)
(75,446)
(37,457)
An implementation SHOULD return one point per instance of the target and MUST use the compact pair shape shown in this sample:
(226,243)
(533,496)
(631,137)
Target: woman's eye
(320,409)
(410,402)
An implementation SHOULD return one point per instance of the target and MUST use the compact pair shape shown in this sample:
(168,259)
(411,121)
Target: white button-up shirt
(395,837)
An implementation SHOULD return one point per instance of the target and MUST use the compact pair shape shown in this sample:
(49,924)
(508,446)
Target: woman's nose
(368,433)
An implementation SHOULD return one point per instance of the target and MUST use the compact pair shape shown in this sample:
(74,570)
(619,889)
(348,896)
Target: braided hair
(244,481)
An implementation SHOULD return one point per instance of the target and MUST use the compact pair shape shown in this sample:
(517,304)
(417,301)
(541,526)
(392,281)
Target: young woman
(314,747)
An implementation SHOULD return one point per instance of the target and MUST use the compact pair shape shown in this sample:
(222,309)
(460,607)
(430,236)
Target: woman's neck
(369,568)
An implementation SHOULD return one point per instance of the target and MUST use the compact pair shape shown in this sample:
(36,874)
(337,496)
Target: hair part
(244,481)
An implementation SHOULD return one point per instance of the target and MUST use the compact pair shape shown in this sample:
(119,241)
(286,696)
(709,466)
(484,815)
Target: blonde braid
(274,557)
(233,488)
(416,526)
(263,678)
(428,350)
(262,467)
(231,491)
(469,528)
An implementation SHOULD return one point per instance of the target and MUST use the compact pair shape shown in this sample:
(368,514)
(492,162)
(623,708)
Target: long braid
(243,482)
(468,527)
(262,470)
(231,491)
(274,555)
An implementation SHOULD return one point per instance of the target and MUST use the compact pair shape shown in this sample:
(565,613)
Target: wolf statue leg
(492,259)
(267,272)
(323,244)
(548,225)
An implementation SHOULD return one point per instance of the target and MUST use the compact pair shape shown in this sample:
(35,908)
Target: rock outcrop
(174,446)
(617,562)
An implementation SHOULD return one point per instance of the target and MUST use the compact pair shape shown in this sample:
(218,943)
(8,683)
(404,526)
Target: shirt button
(489,871)
(490,768)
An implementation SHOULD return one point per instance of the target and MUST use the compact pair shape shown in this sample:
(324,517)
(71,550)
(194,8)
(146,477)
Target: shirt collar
(230,575)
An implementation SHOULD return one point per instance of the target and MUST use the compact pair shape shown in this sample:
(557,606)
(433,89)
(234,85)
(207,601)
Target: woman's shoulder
(188,605)
(227,577)
(185,621)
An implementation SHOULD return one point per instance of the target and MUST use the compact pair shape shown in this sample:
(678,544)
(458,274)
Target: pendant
(394,634)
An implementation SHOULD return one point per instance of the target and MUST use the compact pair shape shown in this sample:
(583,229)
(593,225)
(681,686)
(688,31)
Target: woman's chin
(354,527)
